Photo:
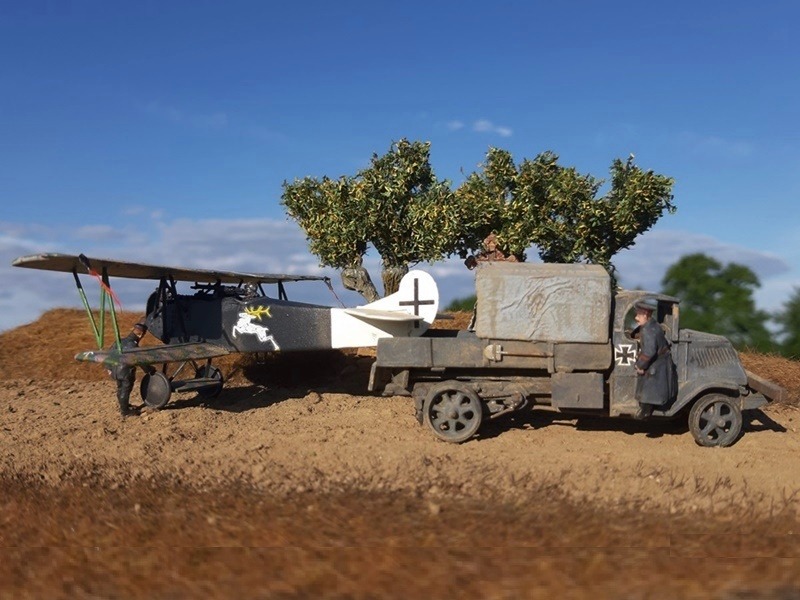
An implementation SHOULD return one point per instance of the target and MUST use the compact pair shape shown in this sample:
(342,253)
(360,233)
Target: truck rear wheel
(452,411)
(715,420)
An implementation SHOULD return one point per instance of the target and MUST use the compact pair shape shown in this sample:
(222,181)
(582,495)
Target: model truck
(558,335)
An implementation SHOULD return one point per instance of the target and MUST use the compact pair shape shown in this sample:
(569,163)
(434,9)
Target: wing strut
(105,293)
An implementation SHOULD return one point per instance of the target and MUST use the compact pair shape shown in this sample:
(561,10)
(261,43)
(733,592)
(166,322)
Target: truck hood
(711,357)
(691,335)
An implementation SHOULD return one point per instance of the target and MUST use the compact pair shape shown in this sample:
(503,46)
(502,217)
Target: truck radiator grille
(708,357)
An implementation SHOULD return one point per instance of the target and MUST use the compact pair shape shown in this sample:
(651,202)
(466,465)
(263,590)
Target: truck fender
(687,395)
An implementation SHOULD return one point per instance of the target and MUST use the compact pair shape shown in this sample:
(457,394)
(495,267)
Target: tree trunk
(391,276)
(357,279)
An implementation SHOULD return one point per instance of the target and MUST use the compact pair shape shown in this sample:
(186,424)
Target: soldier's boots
(128,412)
(645,411)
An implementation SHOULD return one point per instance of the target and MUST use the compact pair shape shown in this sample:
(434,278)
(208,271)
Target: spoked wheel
(155,389)
(210,372)
(453,411)
(715,420)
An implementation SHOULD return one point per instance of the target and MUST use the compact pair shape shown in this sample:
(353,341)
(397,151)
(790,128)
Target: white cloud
(645,264)
(97,232)
(486,126)
(257,245)
(279,246)
(481,126)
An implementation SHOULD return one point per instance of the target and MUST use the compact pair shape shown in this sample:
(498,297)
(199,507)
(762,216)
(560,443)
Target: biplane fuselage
(239,324)
(261,324)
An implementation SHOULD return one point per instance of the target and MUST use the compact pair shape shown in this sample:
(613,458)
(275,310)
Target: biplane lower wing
(154,355)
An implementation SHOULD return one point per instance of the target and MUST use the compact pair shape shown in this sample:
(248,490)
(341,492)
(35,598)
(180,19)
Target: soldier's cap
(646,304)
(141,326)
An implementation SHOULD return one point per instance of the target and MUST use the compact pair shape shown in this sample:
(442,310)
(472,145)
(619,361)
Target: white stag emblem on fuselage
(245,325)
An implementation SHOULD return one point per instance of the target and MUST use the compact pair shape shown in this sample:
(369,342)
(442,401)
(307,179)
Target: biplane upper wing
(154,354)
(68,263)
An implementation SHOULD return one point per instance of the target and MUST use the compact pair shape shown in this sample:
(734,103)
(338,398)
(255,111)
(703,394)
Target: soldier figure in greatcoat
(126,375)
(655,386)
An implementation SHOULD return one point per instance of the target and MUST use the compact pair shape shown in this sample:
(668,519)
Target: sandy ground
(286,440)
(318,490)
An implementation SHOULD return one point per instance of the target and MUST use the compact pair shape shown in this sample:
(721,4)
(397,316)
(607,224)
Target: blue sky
(162,131)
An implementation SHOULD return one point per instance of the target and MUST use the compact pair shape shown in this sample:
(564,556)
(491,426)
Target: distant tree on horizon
(788,318)
(462,304)
(719,299)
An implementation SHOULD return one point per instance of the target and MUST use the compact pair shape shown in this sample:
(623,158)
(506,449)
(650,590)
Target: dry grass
(159,540)
(783,371)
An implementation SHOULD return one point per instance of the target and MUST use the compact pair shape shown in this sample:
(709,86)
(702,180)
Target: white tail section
(407,313)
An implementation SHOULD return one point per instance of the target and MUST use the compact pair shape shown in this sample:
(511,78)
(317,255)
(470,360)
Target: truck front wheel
(452,411)
(715,420)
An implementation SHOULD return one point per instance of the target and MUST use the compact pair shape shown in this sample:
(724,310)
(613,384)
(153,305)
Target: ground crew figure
(654,365)
(490,252)
(126,375)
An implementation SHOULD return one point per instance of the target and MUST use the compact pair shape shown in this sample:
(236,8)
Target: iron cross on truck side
(556,335)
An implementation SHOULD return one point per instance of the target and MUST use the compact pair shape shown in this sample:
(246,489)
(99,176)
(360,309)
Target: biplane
(225,312)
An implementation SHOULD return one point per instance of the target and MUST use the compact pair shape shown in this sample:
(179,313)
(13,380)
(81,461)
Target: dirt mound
(46,349)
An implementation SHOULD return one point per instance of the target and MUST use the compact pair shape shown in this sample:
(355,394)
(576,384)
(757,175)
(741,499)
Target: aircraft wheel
(213,390)
(155,389)
(452,411)
(715,420)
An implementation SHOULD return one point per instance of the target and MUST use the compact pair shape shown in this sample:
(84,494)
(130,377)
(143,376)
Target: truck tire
(453,411)
(715,421)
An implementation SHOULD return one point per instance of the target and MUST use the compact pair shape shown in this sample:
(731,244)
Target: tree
(558,209)
(396,204)
(789,321)
(399,207)
(718,300)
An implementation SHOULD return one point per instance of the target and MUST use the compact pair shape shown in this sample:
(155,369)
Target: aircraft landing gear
(156,389)
(213,389)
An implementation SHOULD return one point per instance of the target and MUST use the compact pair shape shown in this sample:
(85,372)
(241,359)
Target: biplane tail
(408,312)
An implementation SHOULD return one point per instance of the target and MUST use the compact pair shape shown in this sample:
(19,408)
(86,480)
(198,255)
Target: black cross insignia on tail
(416,302)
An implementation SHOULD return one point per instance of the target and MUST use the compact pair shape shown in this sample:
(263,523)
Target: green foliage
(409,212)
(396,204)
(718,300)
(328,210)
(462,304)
(789,321)
(558,209)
